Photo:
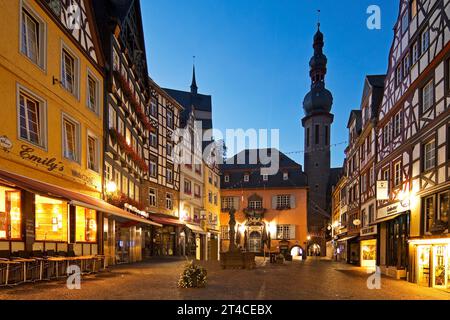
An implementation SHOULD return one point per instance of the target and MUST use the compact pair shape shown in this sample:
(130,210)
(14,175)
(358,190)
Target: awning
(347,238)
(195,228)
(74,198)
(166,220)
(390,217)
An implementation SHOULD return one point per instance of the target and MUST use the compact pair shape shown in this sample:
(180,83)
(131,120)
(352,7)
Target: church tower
(317,125)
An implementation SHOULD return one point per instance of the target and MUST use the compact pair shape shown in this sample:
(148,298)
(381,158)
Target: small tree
(193,276)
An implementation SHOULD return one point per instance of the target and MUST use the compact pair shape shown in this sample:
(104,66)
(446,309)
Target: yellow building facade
(211,207)
(51,127)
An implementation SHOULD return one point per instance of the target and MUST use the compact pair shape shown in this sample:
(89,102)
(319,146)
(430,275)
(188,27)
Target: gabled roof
(355,115)
(296,177)
(188,100)
(374,84)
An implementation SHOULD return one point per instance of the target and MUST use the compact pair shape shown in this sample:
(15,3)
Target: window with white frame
(125,185)
(187,186)
(117,179)
(386,134)
(398,75)
(415,52)
(397,173)
(32,118)
(197,191)
(283,201)
(255,204)
(169,149)
(169,175)
(32,36)
(226,178)
(170,118)
(93,152)
(227,202)
(154,107)
(71,139)
(225,232)
(93,93)
(427,96)
(116,60)
(406,65)
(169,201)
(425,40)
(69,72)
(112,118)
(405,21)
(108,173)
(131,189)
(265,177)
(153,139)
(246,178)
(285,231)
(285,176)
(152,197)
(397,124)
(429,155)
(153,167)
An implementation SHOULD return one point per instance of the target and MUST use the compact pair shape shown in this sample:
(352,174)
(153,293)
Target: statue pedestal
(237,260)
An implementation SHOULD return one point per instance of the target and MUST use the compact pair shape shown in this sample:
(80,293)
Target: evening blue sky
(252,57)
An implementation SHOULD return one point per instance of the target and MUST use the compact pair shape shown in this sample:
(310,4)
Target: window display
(86,225)
(10,214)
(51,219)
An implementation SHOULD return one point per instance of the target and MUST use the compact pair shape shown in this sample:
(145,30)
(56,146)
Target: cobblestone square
(298,280)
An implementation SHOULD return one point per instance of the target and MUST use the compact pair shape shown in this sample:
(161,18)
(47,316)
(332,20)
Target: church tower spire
(194,88)
(317,127)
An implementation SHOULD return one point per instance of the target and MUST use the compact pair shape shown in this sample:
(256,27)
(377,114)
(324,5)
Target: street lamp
(111,187)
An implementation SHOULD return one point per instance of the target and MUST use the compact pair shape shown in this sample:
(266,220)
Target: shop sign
(395,208)
(5,143)
(370,230)
(382,190)
(27,153)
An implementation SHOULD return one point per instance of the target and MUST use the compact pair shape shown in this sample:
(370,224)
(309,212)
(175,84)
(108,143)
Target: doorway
(297,253)
(433,266)
(254,243)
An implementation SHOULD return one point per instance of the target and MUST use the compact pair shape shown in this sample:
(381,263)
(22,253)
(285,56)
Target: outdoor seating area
(21,267)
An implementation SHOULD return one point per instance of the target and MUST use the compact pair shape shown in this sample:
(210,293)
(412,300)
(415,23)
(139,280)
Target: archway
(314,250)
(254,243)
(297,253)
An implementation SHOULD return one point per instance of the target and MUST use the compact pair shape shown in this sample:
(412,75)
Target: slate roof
(188,100)
(297,178)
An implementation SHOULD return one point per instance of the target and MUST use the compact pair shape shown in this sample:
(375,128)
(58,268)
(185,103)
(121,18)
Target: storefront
(368,246)
(197,242)
(36,216)
(430,262)
(166,238)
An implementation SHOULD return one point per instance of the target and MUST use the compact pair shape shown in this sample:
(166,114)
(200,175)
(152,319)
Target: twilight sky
(252,57)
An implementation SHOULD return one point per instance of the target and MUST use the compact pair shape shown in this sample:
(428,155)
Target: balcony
(255,213)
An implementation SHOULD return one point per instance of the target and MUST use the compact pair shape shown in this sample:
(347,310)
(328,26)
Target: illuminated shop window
(10,214)
(51,219)
(86,225)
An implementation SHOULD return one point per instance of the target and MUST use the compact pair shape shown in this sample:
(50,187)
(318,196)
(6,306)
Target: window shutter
(237,203)
(292,231)
(292,198)
(274,202)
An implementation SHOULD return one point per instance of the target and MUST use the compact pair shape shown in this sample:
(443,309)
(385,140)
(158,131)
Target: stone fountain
(236,258)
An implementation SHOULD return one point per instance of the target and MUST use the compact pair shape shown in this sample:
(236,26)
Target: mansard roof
(296,177)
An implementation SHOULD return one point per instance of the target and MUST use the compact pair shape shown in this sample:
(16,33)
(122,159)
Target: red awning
(75,198)
(166,220)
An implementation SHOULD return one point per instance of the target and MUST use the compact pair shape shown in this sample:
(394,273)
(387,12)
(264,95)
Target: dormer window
(285,176)
(227,178)
(246,177)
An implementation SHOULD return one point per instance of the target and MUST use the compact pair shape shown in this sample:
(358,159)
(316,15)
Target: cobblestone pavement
(311,279)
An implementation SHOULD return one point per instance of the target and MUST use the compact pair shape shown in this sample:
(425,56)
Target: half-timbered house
(413,152)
